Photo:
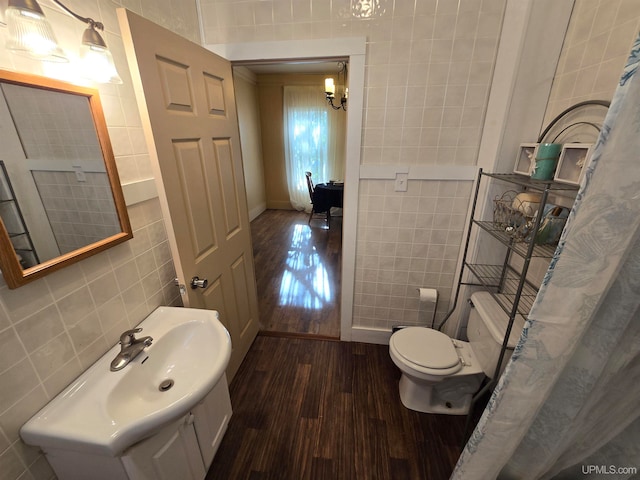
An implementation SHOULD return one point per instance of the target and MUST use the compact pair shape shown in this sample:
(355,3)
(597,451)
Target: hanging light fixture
(30,34)
(96,57)
(330,88)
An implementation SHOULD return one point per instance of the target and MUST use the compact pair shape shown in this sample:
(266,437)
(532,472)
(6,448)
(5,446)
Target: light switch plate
(401,182)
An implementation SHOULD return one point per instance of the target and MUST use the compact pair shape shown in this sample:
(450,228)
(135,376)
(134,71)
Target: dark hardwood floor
(306,407)
(317,409)
(298,272)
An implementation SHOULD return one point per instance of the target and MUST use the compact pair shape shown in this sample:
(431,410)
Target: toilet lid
(425,347)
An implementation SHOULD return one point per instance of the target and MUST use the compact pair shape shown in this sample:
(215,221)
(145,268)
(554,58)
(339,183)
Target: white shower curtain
(568,404)
(314,141)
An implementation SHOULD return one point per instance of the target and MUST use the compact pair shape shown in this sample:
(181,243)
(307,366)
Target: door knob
(199,282)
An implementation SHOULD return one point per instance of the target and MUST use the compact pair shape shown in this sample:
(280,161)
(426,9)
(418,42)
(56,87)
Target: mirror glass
(60,196)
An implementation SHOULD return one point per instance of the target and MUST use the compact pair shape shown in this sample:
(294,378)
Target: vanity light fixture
(30,34)
(96,57)
(330,88)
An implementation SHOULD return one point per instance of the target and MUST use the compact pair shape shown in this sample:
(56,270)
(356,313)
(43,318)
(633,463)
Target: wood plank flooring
(315,409)
(298,272)
(310,408)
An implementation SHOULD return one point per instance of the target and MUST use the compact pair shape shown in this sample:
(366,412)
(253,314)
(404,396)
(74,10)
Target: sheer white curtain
(567,405)
(313,141)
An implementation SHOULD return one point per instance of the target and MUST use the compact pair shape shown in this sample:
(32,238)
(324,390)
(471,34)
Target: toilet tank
(486,328)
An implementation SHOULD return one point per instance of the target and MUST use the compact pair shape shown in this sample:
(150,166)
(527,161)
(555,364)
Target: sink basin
(105,412)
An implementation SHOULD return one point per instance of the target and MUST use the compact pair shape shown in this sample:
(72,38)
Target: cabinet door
(171,454)
(212,417)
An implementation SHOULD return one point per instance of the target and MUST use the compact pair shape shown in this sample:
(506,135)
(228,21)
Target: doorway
(353,48)
(287,128)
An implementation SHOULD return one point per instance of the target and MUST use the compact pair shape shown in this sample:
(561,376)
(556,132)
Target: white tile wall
(596,47)
(407,240)
(53,328)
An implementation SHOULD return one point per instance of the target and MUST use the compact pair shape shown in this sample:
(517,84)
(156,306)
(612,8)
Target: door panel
(186,100)
(215,94)
(226,171)
(176,86)
(193,180)
(239,272)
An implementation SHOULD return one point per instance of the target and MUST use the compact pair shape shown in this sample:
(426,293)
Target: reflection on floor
(305,281)
(297,272)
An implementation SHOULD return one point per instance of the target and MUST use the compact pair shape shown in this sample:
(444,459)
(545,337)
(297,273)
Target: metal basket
(516,222)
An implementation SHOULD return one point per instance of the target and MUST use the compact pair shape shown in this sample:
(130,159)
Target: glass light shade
(98,65)
(329,86)
(96,58)
(30,34)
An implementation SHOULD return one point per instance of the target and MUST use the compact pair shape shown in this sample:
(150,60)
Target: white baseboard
(378,336)
(279,205)
(254,212)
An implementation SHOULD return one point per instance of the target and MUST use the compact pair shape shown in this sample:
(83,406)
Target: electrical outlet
(80,176)
(401,182)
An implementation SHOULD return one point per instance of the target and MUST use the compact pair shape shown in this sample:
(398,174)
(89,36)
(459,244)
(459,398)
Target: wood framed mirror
(60,195)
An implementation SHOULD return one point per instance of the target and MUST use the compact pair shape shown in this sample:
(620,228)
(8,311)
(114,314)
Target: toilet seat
(426,350)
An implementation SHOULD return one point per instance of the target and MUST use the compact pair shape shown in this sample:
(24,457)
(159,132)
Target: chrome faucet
(130,348)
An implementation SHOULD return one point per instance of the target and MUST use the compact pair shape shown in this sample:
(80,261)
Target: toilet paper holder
(427,295)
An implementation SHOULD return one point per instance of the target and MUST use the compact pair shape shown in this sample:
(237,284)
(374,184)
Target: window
(312,141)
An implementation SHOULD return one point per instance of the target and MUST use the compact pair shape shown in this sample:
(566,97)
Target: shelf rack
(13,219)
(510,287)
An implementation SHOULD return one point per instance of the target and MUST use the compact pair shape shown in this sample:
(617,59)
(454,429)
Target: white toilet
(440,374)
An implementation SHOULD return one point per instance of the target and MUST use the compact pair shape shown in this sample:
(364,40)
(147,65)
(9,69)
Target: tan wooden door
(186,99)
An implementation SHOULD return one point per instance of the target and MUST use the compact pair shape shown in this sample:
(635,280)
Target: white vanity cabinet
(211,418)
(183,449)
(170,454)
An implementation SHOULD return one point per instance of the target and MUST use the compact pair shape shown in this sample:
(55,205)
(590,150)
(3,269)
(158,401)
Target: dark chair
(311,188)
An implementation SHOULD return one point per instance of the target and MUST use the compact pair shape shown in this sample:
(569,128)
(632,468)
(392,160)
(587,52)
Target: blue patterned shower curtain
(568,403)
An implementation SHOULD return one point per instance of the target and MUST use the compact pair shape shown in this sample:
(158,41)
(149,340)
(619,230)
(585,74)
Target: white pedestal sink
(111,421)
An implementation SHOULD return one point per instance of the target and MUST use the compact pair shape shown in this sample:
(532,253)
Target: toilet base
(449,397)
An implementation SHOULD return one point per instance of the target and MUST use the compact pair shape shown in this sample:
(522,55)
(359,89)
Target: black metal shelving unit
(14,222)
(509,286)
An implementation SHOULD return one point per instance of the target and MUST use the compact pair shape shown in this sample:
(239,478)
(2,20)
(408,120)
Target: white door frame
(353,48)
